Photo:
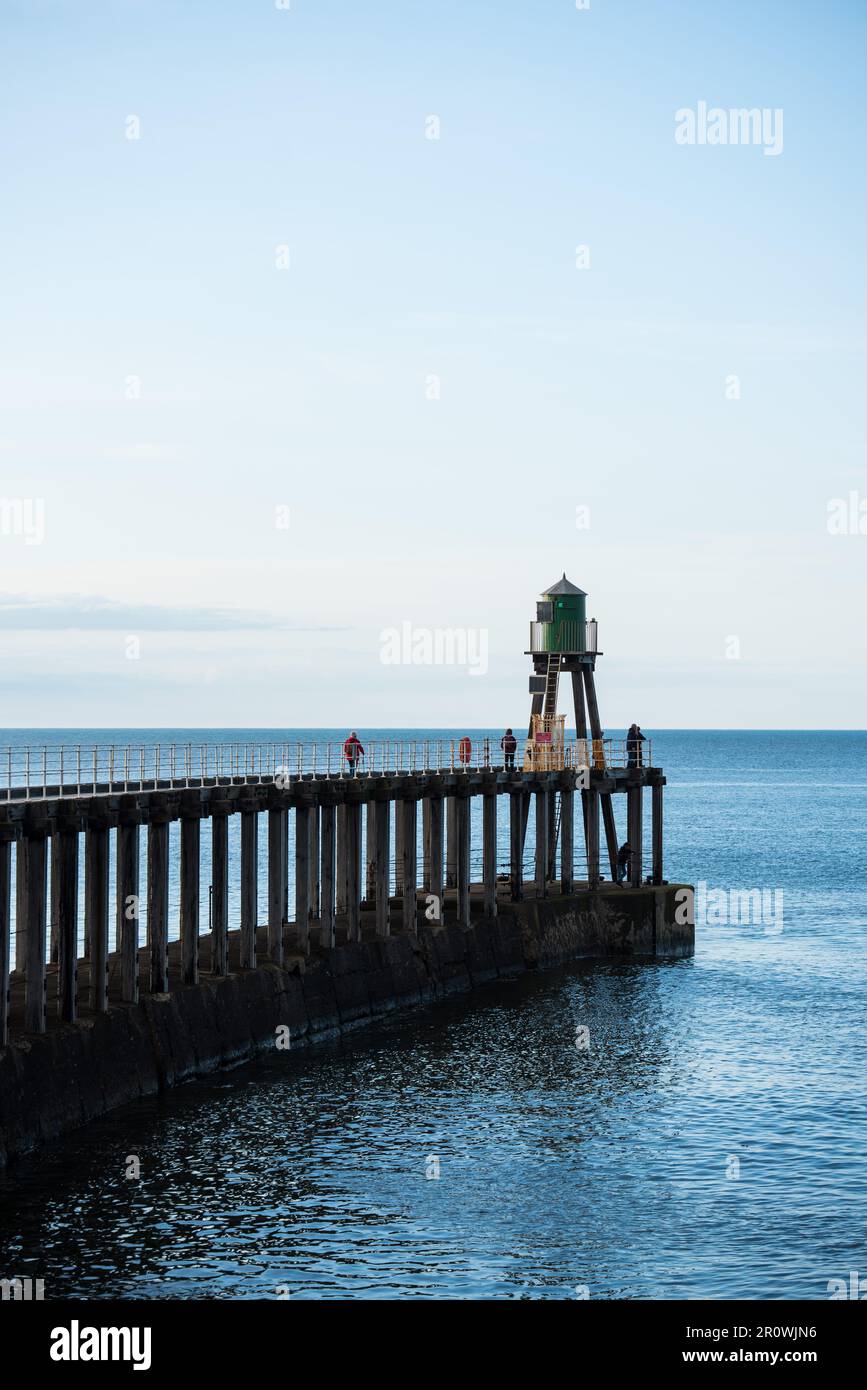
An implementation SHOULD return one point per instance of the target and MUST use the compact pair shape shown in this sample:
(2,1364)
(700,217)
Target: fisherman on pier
(634,740)
(353,751)
(509,745)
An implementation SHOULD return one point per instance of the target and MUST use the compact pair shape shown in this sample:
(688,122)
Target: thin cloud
(20,612)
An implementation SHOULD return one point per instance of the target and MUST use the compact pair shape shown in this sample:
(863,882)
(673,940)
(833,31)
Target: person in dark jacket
(352,751)
(509,744)
(634,740)
(624,860)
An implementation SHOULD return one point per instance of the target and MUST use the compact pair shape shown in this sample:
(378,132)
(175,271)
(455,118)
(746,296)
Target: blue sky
(165,388)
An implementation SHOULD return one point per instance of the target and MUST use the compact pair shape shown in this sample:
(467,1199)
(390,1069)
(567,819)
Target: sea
(690,1128)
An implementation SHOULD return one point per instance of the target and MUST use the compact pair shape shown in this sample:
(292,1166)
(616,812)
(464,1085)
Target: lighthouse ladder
(552,677)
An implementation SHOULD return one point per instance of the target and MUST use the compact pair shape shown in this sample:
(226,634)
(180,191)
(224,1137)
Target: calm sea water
(709,1143)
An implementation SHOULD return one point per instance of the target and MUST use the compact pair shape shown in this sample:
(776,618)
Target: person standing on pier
(509,744)
(624,859)
(353,751)
(634,740)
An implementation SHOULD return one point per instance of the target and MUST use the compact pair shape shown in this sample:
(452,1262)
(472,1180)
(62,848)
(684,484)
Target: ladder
(552,677)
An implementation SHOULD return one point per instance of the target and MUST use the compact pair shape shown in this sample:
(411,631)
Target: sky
(327,318)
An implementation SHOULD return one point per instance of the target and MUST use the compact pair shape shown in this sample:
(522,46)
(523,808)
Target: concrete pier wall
(52,1083)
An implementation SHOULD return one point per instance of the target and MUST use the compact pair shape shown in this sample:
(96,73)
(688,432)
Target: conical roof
(564,587)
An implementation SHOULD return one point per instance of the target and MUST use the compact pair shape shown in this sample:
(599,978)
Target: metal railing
(571,636)
(39,771)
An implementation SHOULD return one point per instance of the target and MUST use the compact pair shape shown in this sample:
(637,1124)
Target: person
(634,740)
(624,859)
(509,745)
(352,751)
(465,750)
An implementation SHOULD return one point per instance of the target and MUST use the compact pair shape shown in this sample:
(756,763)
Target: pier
(392,874)
(388,846)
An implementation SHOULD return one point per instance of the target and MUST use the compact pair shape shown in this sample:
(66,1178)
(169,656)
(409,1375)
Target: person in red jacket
(352,751)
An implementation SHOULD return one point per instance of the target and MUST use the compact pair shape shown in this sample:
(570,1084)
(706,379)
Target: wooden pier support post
(66,866)
(158,905)
(190,871)
(398,851)
(567,839)
(5,937)
(592,837)
(542,806)
(607,807)
(382,837)
(35,866)
(451,841)
(326,906)
(303,815)
(353,870)
(96,913)
(435,855)
(408,817)
(552,836)
(249,888)
(313,905)
(462,856)
(220,893)
(425,844)
(342,883)
(370,853)
(489,852)
(656,830)
(516,846)
(127,906)
(277,880)
(634,834)
(54,907)
(581,735)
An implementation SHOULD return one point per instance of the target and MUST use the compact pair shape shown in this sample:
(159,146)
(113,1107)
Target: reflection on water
(605,1167)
